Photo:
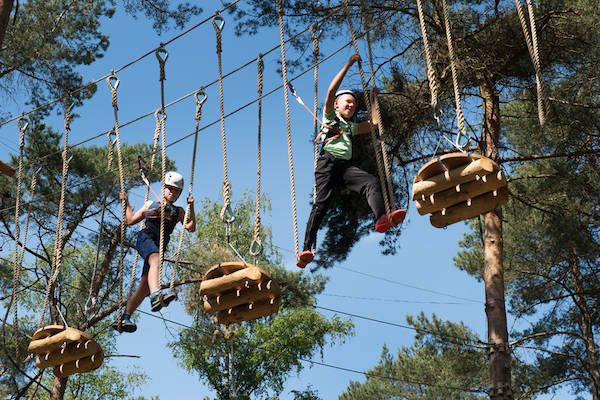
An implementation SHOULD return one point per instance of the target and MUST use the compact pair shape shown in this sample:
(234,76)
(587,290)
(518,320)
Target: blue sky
(423,261)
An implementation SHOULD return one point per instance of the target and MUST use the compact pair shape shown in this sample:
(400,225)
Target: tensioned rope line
(532,46)
(215,121)
(124,66)
(256,247)
(389,300)
(287,122)
(315,41)
(198,116)
(187,95)
(376,149)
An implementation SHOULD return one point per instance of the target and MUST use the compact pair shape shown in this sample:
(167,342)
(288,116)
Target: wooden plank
(455,160)
(479,205)
(265,290)
(227,282)
(447,179)
(460,193)
(71,352)
(243,313)
(46,331)
(431,168)
(7,169)
(54,342)
(78,366)
(225,268)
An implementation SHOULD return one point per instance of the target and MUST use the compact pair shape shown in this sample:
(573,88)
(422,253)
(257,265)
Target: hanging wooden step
(6,169)
(68,350)
(239,292)
(458,186)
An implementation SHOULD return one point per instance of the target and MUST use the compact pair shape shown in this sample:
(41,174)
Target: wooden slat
(83,365)
(51,343)
(431,168)
(479,205)
(243,313)
(455,160)
(266,290)
(235,280)
(71,352)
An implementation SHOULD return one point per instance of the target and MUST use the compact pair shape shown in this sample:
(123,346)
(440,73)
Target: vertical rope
(113,90)
(389,190)
(57,259)
(368,104)
(199,104)
(102,211)
(256,242)
(287,121)
(315,42)
(532,46)
(431,77)
(226,184)
(459,113)
(161,250)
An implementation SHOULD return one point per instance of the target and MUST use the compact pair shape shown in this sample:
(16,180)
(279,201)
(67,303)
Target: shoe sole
(129,328)
(398,218)
(167,299)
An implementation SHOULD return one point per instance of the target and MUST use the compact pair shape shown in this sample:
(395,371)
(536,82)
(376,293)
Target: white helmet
(345,91)
(173,178)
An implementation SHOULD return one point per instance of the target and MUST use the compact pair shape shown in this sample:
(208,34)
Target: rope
(226,214)
(57,259)
(431,77)
(390,189)
(102,211)
(256,247)
(459,113)
(315,41)
(161,251)
(113,90)
(532,46)
(199,104)
(368,104)
(287,121)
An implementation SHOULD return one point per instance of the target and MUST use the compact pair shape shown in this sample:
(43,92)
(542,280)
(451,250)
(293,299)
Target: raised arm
(191,224)
(130,217)
(337,81)
(365,126)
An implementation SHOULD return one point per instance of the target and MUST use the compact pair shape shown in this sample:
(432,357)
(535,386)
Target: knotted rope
(256,246)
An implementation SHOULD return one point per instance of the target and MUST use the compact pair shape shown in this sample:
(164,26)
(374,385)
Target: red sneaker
(383,223)
(304,258)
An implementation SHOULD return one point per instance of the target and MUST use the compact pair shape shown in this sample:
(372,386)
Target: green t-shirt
(340,147)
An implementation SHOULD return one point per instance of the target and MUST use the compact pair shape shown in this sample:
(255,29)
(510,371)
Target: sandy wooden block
(51,343)
(245,313)
(479,205)
(263,290)
(236,279)
(457,194)
(449,178)
(6,169)
(83,365)
(71,352)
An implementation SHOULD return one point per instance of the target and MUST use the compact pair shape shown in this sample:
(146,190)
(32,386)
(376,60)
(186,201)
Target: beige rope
(315,41)
(287,121)
(226,210)
(113,90)
(389,189)
(199,103)
(161,251)
(256,247)
(433,86)
(57,259)
(459,113)
(532,46)
(368,104)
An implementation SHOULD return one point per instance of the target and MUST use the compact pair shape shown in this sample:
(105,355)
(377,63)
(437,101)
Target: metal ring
(227,215)
(204,96)
(159,55)
(110,80)
(256,248)
(218,26)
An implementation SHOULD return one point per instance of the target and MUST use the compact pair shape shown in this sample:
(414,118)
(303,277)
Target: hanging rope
(226,214)
(287,121)
(532,46)
(256,247)
(431,77)
(199,103)
(111,146)
(57,259)
(161,56)
(315,42)
(113,89)
(459,113)
(372,131)
(389,189)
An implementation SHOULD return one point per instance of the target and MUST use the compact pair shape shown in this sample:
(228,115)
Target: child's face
(345,105)
(172,193)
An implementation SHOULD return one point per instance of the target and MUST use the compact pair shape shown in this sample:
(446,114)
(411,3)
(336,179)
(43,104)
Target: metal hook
(161,54)
(256,248)
(70,156)
(227,215)
(113,78)
(23,124)
(319,32)
(37,170)
(204,96)
(218,26)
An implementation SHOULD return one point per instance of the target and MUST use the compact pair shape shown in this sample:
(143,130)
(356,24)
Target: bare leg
(153,261)
(138,296)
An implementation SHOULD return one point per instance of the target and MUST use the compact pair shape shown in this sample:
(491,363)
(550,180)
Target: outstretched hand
(123,196)
(354,58)
(190,199)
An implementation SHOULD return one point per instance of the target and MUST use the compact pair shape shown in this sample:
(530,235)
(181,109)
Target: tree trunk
(493,275)
(58,389)
(5,9)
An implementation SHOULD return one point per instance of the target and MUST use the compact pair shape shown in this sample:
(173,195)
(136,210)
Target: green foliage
(436,366)
(265,351)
